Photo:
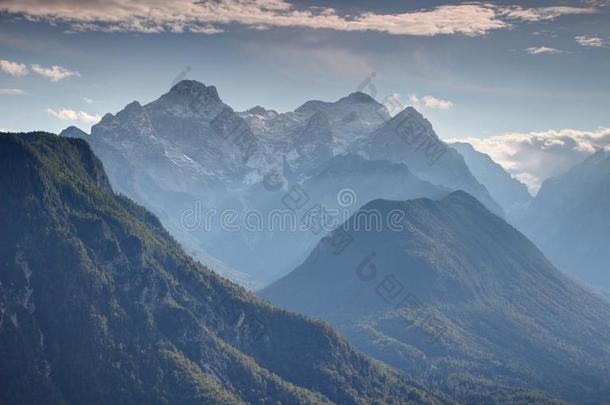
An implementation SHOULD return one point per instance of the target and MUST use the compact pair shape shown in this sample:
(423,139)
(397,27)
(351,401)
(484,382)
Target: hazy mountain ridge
(99,304)
(568,219)
(509,192)
(456,294)
(352,177)
(409,138)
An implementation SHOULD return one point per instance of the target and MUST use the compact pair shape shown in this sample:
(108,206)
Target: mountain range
(449,293)
(99,304)
(569,221)
(347,214)
(188,150)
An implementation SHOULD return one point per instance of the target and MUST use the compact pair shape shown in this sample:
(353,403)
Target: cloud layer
(12,92)
(538,50)
(73,116)
(54,73)
(429,102)
(13,68)
(536,156)
(591,42)
(153,16)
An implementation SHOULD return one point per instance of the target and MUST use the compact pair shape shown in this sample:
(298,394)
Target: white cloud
(537,50)
(74,116)
(429,102)
(542,13)
(88,100)
(207,29)
(55,73)
(536,156)
(591,42)
(12,92)
(154,16)
(13,68)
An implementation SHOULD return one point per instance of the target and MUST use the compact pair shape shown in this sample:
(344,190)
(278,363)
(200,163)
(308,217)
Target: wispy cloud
(542,13)
(13,68)
(538,50)
(54,73)
(68,115)
(429,102)
(536,156)
(12,92)
(591,42)
(154,16)
(88,100)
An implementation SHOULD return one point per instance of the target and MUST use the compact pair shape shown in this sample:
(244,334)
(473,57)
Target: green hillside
(98,304)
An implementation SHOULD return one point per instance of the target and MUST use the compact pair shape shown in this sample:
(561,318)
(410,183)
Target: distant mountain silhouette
(509,192)
(569,221)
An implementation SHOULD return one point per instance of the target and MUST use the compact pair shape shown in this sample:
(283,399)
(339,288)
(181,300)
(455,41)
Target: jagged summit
(358,97)
(193,88)
(409,112)
(73,132)
(258,110)
(130,110)
(351,99)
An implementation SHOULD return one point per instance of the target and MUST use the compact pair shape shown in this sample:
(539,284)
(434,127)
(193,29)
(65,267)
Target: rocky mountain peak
(262,111)
(130,110)
(73,132)
(410,112)
(194,89)
(358,97)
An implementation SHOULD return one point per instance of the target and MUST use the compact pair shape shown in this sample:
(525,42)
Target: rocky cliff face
(189,151)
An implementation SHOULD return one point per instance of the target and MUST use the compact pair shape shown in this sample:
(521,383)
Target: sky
(527,82)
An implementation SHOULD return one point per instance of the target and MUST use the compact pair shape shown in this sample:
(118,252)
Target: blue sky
(475,70)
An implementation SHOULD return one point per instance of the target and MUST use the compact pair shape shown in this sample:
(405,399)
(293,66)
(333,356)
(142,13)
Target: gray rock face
(409,138)
(188,151)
